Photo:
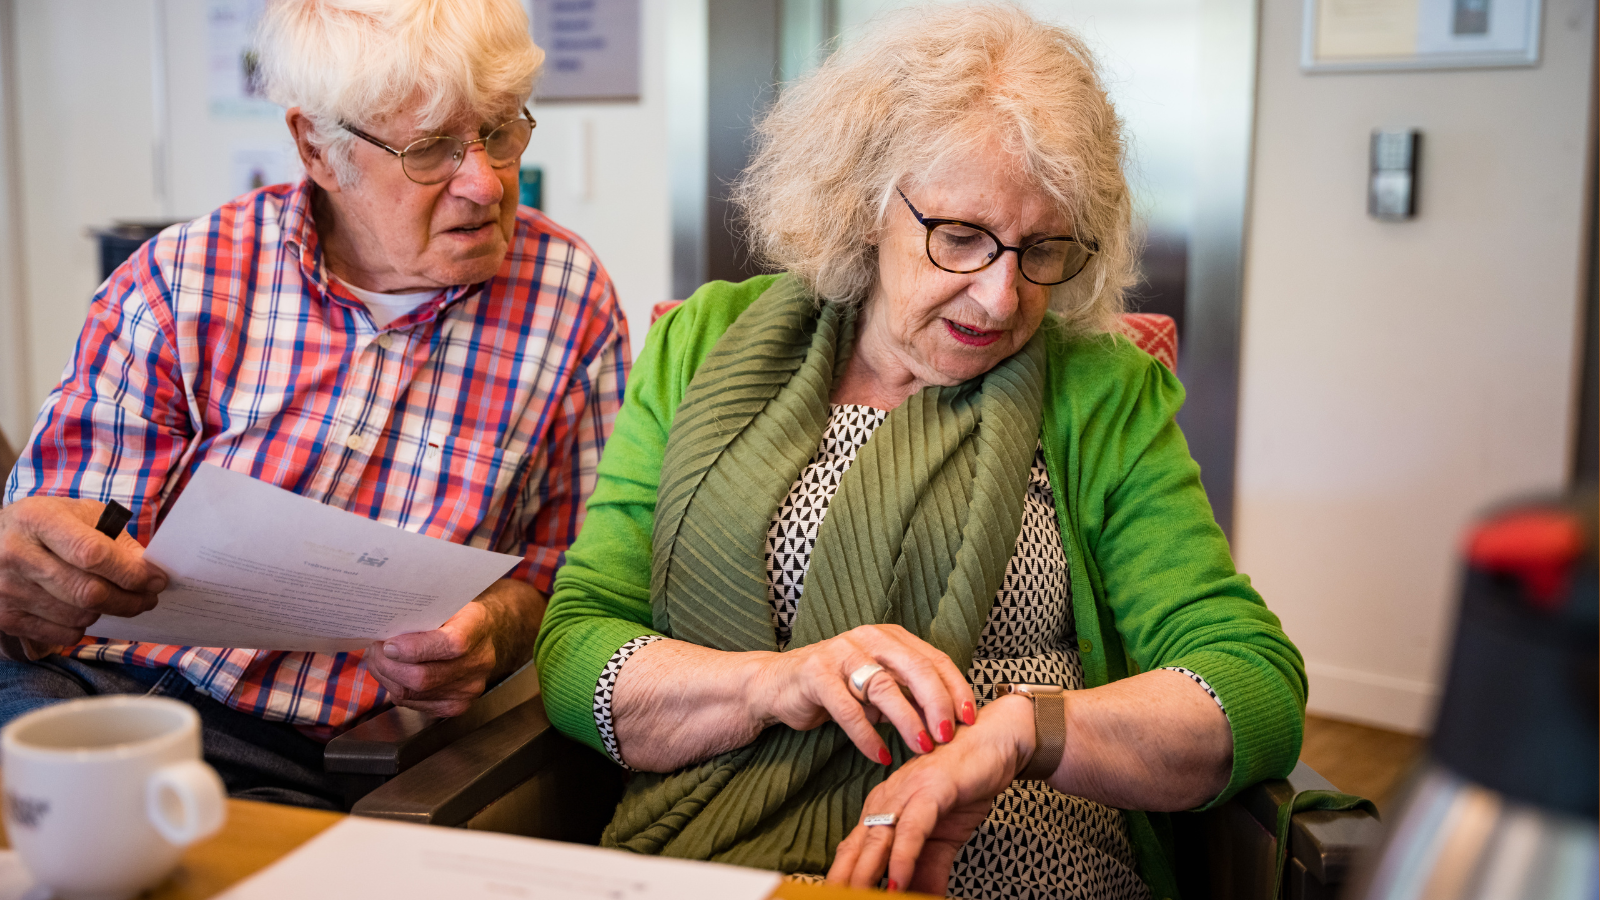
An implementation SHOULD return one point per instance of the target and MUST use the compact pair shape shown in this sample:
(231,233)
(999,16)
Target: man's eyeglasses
(431,160)
(962,248)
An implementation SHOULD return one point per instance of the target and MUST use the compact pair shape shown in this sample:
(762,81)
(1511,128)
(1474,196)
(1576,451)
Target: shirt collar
(298,225)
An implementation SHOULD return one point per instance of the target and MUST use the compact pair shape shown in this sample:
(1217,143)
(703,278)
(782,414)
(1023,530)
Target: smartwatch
(1049,727)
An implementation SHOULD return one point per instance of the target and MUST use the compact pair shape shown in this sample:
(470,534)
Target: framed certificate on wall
(1366,35)
(591,49)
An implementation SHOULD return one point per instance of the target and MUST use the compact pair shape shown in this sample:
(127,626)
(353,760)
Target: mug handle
(185,802)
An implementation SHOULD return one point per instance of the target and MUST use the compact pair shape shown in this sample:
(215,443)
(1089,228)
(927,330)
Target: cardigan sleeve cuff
(605,688)
(1264,712)
(570,670)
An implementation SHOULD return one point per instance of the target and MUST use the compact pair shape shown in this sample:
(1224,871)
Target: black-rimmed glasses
(434,159)
(963,248)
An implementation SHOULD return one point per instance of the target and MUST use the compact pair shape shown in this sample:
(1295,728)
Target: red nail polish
(946,732)
(884,757)
(893,886)
(924,742)
(968,714)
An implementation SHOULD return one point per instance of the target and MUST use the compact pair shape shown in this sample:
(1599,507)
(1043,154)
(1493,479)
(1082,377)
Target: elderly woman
(844,506)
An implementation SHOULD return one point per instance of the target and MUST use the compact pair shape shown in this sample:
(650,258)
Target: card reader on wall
(1392,186)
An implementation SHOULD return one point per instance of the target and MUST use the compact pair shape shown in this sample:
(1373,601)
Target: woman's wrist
(1011,718)
(761,683)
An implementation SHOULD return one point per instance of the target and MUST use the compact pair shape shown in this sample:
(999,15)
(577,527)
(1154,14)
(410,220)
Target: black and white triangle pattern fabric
(1039,844)
(606,686)
(1031,606)
(793,533)
(1063,846)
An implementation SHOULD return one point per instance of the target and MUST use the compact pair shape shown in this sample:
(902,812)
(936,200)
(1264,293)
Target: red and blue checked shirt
(477,418)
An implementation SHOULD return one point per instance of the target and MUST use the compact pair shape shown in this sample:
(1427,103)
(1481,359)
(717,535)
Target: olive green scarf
(918,534)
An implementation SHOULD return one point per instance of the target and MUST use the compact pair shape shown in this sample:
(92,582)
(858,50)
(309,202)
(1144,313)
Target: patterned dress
(1037,842)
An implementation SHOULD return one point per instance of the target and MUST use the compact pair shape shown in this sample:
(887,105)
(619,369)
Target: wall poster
(591,49)
(233,85)
(1364,35)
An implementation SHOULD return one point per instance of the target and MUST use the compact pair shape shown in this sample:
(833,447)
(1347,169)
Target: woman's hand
(919,690)
(938,801)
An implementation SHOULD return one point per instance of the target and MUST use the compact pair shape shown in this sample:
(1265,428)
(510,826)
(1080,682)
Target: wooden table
(258,834)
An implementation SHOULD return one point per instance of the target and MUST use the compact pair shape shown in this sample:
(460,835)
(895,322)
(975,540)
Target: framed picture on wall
(591,49)
(1366,35)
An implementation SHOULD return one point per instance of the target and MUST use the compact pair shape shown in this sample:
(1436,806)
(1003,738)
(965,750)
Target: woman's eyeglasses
(962,248)
(432,160)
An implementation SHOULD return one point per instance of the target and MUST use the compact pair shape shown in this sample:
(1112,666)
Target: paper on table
(360,858)
(256,566)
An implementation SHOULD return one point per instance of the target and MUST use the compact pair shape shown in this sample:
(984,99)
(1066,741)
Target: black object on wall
(121,240)
(1586,443)
(742,64)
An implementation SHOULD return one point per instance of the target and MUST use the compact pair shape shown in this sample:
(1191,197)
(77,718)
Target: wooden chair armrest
(516,774)
(397,739)
(1324,843)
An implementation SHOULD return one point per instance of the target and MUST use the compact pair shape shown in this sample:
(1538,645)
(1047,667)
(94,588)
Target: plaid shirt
(477,418)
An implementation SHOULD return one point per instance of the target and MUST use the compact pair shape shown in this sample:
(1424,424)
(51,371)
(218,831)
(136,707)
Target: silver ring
(880,819)
(861,677)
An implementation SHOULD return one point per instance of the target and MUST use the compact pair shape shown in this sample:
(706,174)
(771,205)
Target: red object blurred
(1538,547)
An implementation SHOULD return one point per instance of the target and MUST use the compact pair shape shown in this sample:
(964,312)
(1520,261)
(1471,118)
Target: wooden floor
(1360,759)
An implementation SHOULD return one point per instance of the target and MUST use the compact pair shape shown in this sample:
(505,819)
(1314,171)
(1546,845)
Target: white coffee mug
(102,794)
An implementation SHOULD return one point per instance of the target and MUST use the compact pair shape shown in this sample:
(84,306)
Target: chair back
(1153,333)
(8,458)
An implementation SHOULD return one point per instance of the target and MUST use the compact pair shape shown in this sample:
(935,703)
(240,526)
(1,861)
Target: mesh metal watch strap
(1050,736)
(1049,727)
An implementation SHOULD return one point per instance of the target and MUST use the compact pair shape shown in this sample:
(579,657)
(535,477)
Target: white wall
(14,365)
(85,137)
(1397,378)
(85,111)
(625,210)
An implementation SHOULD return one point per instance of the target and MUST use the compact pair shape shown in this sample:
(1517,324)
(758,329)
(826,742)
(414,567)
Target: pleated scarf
(919,534)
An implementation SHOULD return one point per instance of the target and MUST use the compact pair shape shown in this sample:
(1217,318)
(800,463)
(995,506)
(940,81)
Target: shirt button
(1085,647)
(353,441)
(385,340)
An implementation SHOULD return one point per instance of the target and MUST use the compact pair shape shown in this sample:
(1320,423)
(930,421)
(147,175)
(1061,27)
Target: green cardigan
(1153,583)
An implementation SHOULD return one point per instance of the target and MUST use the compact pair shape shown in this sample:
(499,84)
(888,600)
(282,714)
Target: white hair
(358,62)
(927,84)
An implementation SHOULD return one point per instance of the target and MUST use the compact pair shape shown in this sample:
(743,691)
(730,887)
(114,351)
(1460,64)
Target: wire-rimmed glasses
(434,159)
(963,248)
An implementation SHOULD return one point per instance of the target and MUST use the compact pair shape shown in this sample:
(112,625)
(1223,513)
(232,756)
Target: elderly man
(392,336)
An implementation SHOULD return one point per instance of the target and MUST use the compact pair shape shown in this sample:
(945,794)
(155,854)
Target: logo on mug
(27,812)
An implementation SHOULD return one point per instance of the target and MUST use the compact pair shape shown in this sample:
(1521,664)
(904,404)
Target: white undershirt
(385,308)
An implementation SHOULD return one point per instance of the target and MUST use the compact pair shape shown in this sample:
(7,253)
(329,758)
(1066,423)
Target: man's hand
(58,574)
(444,670)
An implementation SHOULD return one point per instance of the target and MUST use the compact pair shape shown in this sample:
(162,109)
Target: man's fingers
(119,561)
(75,587)
(44,631)
(424,646)
(457,637)
(431,680)
(443,708)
